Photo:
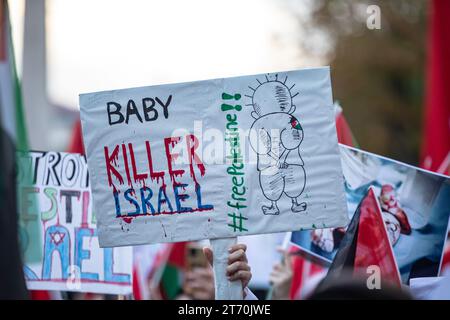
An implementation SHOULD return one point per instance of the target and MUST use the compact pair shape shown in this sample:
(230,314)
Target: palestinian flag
(295,124)
(168,275)
(436,136)
(344,134)
(436,139)
(76,141)
(306,273)
(12,138)
(145,262)
(365,244)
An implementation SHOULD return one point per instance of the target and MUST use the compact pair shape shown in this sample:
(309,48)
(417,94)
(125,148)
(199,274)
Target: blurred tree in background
(378,75)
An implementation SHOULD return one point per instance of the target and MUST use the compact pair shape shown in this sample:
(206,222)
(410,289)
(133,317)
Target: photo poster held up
(214,159)
(54,189)
(415,206)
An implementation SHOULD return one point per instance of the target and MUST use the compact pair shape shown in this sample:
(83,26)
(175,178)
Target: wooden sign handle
(225,289)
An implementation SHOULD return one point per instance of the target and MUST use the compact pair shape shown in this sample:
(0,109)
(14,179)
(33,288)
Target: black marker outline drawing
(279,163)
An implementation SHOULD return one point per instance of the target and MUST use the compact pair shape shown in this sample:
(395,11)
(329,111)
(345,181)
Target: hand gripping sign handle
(225,289)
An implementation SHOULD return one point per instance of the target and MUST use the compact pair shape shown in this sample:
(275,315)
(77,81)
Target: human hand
(283,165)
(281,277)
(199,284)
(238,268)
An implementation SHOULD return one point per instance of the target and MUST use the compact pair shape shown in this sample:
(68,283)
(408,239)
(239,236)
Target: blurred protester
(198,284)
(349,287)
(344,287)
(198,277)
(12,281)
(281,277)
(12,138)
(295,277)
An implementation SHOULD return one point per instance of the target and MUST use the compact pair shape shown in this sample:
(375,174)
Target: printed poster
(415,206)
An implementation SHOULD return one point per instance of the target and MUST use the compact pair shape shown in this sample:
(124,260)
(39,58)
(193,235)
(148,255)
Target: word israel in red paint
(161,186)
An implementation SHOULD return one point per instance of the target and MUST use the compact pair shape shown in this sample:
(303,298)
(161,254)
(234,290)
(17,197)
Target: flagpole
(34,75)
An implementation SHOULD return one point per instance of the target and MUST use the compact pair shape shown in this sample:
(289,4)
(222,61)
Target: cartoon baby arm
(293,166)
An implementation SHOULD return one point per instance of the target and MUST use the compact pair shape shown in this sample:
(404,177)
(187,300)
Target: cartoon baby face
(272,96)
(273,113)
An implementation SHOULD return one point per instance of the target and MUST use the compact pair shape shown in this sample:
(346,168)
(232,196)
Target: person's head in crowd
(347,286)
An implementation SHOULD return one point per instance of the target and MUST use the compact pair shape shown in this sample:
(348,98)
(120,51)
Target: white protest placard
(214,159)
(58,195)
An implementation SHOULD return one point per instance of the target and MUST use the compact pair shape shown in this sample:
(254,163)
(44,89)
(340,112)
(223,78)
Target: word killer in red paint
(152,186)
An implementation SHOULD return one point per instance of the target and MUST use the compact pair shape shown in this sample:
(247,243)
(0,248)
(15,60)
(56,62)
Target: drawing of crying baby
(276,135)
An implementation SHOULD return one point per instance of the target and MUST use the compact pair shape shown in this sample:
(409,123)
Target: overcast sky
(97,45)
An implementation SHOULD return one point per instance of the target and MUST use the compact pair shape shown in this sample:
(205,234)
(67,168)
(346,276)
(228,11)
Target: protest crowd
(313,217)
